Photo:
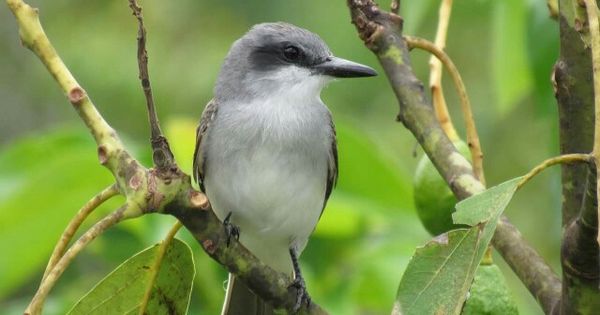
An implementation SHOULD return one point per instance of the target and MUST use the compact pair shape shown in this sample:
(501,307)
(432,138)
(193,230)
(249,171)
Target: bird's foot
(232,231)
(302,296)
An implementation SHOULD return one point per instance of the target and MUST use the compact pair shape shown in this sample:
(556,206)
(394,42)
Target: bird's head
(282,57)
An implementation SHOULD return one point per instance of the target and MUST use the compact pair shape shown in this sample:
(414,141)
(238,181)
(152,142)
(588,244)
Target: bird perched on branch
(266,152)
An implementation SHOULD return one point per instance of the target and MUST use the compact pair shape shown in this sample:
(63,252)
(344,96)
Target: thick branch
(207,229)
(580,255)
(381,32)
(574,86)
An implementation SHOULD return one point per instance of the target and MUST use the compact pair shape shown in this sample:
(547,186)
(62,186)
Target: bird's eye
(291,53)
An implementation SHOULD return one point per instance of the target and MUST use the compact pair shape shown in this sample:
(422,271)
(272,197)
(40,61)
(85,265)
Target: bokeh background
(353,263)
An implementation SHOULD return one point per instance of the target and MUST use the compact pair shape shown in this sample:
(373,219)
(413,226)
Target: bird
(266,149)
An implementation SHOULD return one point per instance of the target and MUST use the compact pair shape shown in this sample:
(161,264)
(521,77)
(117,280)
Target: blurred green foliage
(354,261)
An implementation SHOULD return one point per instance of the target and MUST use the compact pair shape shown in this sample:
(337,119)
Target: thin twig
(164,245)
(162,155)
(592,13)
(36,304)
(435,73)
(76,222)
(561,159)
(142,56)
(472,137)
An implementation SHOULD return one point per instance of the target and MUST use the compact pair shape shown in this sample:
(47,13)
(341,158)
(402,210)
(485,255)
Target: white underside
(267,164)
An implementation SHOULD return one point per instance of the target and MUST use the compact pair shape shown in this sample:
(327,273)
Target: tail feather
(240,300)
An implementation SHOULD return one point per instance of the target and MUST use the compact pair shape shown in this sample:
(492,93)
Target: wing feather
(332,167)
(208,116)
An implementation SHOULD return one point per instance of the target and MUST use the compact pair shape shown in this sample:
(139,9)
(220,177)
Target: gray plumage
(266,149)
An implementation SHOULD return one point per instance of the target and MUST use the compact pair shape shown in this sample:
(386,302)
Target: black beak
(342,68)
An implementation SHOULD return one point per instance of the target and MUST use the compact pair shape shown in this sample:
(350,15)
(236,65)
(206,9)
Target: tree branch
(575,92)
(149,190)
(580,255)
(594,28)
(161,152)
(382,33)
(207,229)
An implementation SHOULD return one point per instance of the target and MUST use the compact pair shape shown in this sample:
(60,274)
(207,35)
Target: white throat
(291,82)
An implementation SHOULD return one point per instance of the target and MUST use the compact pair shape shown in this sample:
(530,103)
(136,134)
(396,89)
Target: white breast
(267,164)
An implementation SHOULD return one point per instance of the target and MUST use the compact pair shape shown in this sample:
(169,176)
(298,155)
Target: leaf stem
(561,159)
(472,137)
(162,250)
(76,222)
(435,73)
(594,26)
(36,304)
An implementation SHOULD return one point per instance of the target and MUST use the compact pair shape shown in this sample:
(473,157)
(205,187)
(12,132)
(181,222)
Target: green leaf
(440,273)
(122,291)
(485,206)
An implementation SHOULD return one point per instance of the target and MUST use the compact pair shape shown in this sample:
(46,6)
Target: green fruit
(434,201)
(489,294)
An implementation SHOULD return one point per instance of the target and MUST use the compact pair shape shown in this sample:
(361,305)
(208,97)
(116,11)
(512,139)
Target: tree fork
(382,34)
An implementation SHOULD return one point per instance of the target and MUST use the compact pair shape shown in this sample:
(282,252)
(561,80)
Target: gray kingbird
(266,153)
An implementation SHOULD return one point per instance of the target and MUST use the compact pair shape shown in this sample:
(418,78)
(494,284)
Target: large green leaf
(440,273)
(122,291)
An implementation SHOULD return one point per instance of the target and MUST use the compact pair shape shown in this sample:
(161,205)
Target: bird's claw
(302,296)
(230,229)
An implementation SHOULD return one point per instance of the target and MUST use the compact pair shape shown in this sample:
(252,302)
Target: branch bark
(465,103)
(382,33)
(573,81)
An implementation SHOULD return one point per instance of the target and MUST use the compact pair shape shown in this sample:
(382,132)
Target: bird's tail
(239,300)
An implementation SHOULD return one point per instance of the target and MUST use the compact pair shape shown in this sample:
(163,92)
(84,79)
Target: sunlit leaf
(122,291)
(440,273)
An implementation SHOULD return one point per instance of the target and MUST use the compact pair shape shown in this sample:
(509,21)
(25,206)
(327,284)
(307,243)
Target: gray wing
(332,167)
(208,116)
